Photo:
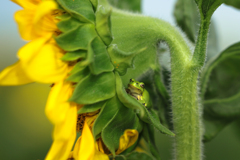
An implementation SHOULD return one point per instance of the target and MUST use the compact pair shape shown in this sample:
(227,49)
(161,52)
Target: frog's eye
(131,80)
(142,85)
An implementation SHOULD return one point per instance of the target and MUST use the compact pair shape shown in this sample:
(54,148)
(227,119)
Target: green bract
(108,46)
(133,5)
(98,63)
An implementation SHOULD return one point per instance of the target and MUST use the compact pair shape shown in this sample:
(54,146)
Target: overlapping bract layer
(96,73)
(84,70)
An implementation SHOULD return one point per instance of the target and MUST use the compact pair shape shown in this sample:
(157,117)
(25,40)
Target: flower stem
(140,31)
(185,106)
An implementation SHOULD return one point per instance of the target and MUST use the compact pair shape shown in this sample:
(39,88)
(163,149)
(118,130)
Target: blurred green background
(25,132)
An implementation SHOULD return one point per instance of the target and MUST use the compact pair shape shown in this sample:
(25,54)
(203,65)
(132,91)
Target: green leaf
(118,157)
(80,9)
(122,60)
(125,118)
(130,5)
(213,126)
(134,156)
(154,84)
(92,107)
(234,3)
(94,88)
(186,16)
(207,7)
(226,108)
(159,81)
(130,102)
(220,84)
(106,114)
(95,4)
(212,46)
(78,38)
(101,60)
(154,120)
(103,21)
(72,56)
(68,24)
(148,134)
(79,75)
(139,156)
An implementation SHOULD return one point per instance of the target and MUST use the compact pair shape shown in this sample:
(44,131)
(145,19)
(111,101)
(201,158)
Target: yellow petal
(31,48)
(63,131)
(97,154)
(27,4)
(14,75)
(90,120)
(85,147)
(129,137)
(57,104)
(44,8)
(37,21)
(60,150)
(86,153)
(24,19)
(76,149)
(100,156)
(42,62)
(43,20)
(64,136)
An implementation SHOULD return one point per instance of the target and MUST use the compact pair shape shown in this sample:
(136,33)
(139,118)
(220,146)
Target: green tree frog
(136,90)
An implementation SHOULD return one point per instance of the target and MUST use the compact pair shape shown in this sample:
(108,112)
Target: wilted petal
(14,75)
(129,137)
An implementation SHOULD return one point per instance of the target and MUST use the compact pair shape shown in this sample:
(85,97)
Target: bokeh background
(25,132)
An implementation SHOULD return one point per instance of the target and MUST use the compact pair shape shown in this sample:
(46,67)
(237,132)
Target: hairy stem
(185,106)
(199,55)
(134,31)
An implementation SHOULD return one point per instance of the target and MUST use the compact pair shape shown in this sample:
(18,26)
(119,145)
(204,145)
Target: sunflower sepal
(68,23)
(122,60)
(99,87)
(79,75)
(92,107)
(74,56)
(79,9)
(103,21)
(100,59)
(77,38)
